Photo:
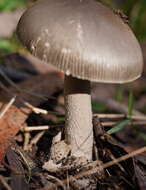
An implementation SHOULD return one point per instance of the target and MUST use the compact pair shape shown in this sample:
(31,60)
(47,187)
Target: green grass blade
(118,127)
(130,103)
(119,93)
(6,45)
(98,107)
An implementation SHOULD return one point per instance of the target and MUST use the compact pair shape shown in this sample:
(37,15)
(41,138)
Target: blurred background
(10,11)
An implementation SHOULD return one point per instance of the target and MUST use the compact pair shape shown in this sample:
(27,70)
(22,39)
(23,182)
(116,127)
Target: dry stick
(26,140)
(27,104)
(58,181)
(114,158)
(5,184)
(42,111)
(110,116)
(104,124)
(38,128)
(104,166)
(100,116)
(110,102)
(67,183)
(111,123)
(111,163)
(37,110)
(123,158)
(120,116)
(36,138)
(33,108)
(6,108)
(114,105)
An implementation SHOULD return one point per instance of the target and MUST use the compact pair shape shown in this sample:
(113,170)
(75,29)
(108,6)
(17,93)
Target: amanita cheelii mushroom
(87,42)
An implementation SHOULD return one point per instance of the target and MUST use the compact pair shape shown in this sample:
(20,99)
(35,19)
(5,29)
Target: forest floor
(32,113)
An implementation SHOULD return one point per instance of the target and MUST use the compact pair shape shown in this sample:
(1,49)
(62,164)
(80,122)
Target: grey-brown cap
(82,38)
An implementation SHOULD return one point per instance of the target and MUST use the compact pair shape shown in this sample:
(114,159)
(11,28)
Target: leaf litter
(34,102)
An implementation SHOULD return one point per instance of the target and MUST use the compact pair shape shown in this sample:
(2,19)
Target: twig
(116,106)
(5,184)
(104,124)
(26,140)
(40,128)
(36,138)
(6,108)
(125,157)
(35,109)
(58,181)
(27,104)
(103,166)
(120,116)
(133,123)
(36,128)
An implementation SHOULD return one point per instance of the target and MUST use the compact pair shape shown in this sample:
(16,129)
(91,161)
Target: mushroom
(88,42)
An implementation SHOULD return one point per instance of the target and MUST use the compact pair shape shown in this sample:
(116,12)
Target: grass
(119,127)
(8,5)
(9,45)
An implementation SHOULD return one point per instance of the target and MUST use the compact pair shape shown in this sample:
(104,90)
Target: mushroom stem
(78,122)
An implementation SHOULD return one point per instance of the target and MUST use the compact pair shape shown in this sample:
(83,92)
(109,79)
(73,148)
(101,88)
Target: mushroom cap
(82,38)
